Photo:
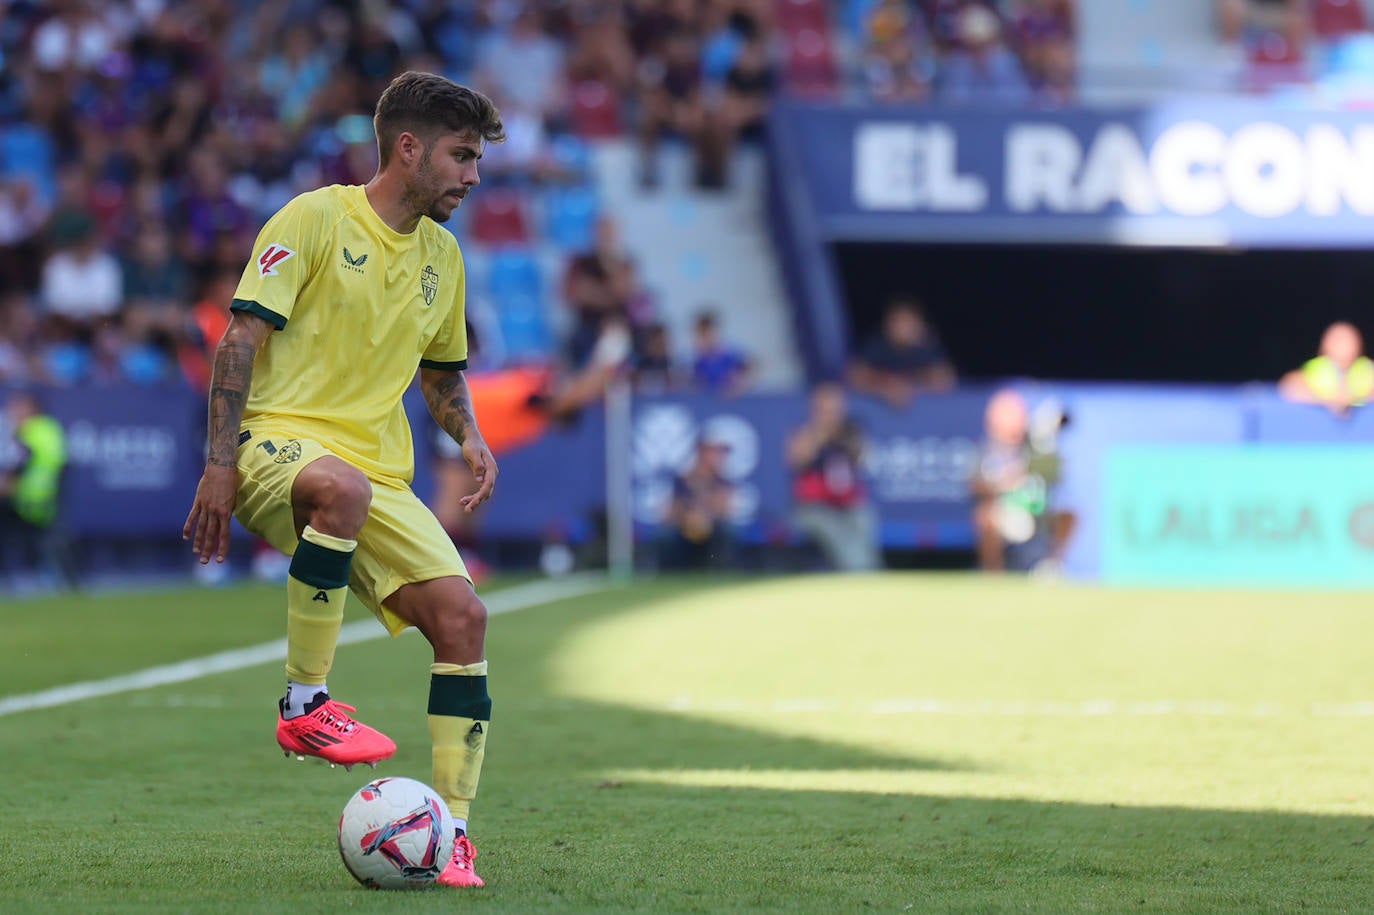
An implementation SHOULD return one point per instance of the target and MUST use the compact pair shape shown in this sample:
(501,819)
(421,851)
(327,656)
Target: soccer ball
(395,833)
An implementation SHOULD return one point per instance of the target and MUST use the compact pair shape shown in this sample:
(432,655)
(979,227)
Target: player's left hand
(483,464)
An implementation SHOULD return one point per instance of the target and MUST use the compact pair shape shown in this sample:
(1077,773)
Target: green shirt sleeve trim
(253,308)
(459,366)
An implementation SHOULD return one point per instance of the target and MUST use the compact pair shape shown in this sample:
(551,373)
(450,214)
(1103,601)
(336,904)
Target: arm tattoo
(450,404)
(233,375)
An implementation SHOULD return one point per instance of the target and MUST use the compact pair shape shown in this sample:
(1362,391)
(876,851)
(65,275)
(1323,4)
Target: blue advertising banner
(917,465)
(918,461)
(1182,173)
(134,457)
(1166,483)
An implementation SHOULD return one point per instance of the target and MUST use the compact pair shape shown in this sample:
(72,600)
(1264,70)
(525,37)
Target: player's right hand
(207,526)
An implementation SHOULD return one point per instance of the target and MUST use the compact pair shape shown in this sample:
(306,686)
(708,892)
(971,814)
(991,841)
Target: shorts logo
(271,256)
(288,453)
(429,284)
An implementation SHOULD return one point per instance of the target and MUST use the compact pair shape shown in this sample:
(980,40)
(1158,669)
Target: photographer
(1016,521)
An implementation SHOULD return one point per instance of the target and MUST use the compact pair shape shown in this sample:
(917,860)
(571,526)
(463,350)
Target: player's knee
(461,623)
(353,491)
(470,614)
(338,500)
(344,491)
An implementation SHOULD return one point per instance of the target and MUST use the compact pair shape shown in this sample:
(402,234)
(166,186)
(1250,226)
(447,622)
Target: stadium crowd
(143,142)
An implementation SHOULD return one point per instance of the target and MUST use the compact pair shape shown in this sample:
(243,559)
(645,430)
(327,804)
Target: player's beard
(427,193)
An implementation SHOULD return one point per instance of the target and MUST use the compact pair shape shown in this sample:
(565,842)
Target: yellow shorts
(401,542)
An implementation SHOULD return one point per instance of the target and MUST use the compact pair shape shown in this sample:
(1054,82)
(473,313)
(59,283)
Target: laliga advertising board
(1243,515)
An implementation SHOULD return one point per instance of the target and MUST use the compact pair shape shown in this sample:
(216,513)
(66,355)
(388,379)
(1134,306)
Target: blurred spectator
(82,284)
(518,405)
(670,101)
(982,68)
(219,228)
(76,37)
(1014,486)
(601,50)
(717,367)
(600,284)
(1339,377)
(294,72)
(1043,32)
(157,284)
(698,531)
(904,358)
(523,66)
(31,490)
(831,504)
(897,66)
(18,338)
(205,325)
(653,370)
(742,107)
(23,214)
(1270,35)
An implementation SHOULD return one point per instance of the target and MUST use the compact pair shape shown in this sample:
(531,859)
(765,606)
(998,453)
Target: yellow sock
(315,593)
(459,718)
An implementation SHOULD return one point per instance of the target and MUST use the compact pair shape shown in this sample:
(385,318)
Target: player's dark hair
(428,106)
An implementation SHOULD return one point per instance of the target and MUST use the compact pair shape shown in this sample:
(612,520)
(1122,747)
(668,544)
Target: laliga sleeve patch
(271,256)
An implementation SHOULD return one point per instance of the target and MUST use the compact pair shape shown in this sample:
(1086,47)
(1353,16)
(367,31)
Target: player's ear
(408,148)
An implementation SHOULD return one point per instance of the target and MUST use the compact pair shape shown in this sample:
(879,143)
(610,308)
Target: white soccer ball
(395,833)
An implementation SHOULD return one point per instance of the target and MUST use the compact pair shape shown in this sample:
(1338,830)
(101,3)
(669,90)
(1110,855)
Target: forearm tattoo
(229,385)
(450,404)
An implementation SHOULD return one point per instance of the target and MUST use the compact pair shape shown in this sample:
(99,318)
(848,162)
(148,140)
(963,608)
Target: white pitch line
(508,600)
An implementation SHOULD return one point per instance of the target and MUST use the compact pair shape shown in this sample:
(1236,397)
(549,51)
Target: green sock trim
(320,567)
(459,697)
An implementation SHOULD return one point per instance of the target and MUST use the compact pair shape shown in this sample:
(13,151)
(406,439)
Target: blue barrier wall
(136,456)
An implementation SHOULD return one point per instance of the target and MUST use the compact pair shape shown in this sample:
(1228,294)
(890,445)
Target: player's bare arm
(208,521)
(450,403)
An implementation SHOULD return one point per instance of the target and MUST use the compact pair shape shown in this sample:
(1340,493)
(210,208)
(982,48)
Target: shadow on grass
(828,851)
(839,850)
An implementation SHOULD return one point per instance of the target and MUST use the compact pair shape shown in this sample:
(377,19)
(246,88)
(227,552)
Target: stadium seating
(516,285)
(1275,60)
(799,15)
(811,67)
(570,217)
(595,111)
(1337,18)
(498,217)
(26,150)
(573,156)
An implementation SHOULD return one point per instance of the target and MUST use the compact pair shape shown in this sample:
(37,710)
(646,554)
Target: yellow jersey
(357,307)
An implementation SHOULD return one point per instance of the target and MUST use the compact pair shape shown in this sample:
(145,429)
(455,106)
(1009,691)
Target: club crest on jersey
(271,257)
(353,263)
(429,284)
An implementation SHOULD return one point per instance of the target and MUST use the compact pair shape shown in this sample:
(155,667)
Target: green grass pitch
(897,742)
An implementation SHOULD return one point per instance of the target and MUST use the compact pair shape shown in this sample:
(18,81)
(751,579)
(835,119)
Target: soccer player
(349,291)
